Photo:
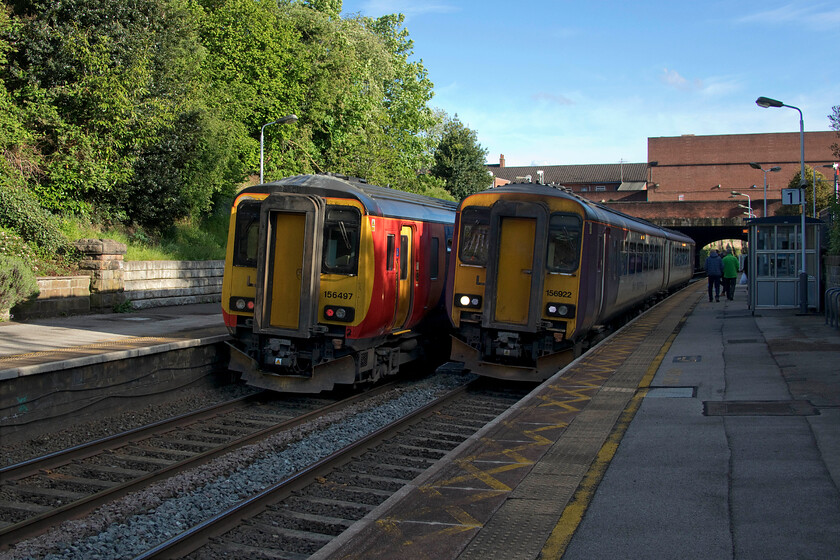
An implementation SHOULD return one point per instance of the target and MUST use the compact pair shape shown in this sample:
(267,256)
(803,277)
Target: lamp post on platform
(749,203)
(836,168)
(766,102)
(766,171)
(283,120)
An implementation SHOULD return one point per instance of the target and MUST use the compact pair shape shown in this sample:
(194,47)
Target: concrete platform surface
(53,343)
(701,430)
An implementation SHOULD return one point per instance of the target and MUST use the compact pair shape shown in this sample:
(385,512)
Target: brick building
(709,168)
(689,168)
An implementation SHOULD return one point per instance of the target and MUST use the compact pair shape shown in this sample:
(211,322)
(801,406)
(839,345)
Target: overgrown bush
(20,212)
(17,282)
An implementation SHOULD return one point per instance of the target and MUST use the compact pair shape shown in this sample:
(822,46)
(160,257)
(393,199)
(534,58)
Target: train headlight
(337,313)
(242,304)
(565,310)
(467,300)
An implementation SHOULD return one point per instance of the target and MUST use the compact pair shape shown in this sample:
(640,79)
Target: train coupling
(507,344)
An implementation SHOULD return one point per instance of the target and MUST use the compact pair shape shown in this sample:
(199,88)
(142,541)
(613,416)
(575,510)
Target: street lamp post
(766,102)
(288,119)
(836,168)
(766,171)
(749,203)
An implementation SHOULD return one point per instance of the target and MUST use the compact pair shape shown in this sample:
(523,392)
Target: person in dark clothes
(714,272)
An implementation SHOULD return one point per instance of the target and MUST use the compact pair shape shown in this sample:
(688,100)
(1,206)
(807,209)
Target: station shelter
(775,260)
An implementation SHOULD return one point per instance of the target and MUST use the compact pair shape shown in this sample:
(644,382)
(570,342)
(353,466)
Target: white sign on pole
(791,196)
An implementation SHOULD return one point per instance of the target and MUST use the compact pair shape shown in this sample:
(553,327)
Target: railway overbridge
(705,222)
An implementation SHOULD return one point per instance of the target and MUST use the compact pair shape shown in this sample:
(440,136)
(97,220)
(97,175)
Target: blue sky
(555,82)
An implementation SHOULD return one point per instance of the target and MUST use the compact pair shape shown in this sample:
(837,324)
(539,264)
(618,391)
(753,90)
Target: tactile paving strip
(507,490)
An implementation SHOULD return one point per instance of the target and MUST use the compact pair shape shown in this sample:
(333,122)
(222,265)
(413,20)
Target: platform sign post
(791,197)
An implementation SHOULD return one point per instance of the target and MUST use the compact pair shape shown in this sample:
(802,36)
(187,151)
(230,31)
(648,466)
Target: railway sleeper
(329,507)
(56,495)
(313,522)
(244,550)
(356,494)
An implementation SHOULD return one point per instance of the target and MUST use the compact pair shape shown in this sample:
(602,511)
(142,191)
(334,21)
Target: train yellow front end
(330,281)
(515,285)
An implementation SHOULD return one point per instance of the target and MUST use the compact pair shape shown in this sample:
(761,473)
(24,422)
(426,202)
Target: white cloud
(552,98)
(677,81)
(376,8)
(823,16)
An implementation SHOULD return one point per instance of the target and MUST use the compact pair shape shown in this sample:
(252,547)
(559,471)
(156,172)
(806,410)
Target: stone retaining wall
(159,283)
(111,283)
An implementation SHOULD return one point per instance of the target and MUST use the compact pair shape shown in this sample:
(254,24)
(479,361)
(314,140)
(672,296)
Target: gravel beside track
(134,524)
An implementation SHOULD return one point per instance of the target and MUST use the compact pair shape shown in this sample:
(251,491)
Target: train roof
(592,210)
(377,201)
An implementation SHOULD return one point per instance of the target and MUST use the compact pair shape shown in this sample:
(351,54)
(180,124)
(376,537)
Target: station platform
(700,430)
(63,371)
(42,345)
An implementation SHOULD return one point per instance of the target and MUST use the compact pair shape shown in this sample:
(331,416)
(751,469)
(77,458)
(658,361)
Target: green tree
(87,74)
(459,160)
(254,75)
(824,191)
(17,158)
(834,122)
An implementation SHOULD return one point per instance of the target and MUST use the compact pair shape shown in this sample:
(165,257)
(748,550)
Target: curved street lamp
(766,171)
(749,203)
(288,119)
(766,102)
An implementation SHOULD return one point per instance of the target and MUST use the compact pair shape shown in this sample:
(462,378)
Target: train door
(405,278)
(516,264)
(288,266)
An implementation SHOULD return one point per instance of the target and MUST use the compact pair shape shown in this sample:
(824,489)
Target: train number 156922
(558,293)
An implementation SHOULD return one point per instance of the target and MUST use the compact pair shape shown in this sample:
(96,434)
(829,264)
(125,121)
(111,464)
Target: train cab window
(246,239)
(434,267)
(564,232)
(404,257)
(389,259)
(341,240)
(475,235)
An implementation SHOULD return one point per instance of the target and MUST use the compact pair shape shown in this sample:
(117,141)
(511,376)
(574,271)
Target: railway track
(40,493)
(313,495)
(302,513)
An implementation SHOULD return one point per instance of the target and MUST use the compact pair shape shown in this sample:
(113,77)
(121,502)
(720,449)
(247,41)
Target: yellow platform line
(573,514)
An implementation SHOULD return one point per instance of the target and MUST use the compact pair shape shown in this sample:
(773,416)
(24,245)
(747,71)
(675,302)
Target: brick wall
(692,166)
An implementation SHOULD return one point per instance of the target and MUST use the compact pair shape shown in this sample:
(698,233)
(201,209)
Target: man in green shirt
(730,274)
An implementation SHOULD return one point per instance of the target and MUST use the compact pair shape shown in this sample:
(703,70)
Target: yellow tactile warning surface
(523,485)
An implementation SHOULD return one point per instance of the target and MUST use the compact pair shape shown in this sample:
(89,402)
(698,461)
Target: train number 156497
(338,295)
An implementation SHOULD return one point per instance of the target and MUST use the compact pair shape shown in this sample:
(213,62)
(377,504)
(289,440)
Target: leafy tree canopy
(459,160)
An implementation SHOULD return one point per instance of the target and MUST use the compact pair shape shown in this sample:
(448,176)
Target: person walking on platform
(714,272)
(730,274)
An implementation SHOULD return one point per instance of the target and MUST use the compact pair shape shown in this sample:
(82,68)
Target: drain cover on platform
(671,392)
(679,359)
(759,408)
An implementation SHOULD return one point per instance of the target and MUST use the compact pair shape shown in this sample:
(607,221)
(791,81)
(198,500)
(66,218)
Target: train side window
(390,256)
(475,235)
(564,232)
(403,257)
(434,265)
(246,239)
(341,240)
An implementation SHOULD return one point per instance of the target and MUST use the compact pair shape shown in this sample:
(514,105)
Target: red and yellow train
(329,280)
(537,273)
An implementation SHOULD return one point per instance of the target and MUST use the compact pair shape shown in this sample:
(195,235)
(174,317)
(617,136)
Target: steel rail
(196,537)
(85,450)
(39,524)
